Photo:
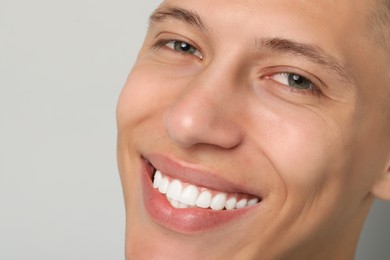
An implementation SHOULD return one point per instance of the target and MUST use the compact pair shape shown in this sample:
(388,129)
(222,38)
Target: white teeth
(218,201)
(182,196)
(204,199)
(253,202)
(175,203)
(231,203)
(174,190)
(183,206)
(157,179)
(164,185)
(241,204)
(189,195)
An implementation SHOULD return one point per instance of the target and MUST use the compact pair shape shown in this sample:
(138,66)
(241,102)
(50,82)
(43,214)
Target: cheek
(133,103)
(299,146)
(149,90)
(303,152)
(143,96)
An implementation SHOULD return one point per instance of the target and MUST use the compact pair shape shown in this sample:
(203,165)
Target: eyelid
(317,84)
(166,38)
(197,53)
(278,75)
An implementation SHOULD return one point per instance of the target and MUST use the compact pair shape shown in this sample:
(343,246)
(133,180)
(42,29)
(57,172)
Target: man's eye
(293,80)
(184,48)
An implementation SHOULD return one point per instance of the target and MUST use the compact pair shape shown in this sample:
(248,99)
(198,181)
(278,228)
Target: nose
(203,114)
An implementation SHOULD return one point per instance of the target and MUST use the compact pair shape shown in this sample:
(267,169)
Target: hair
(379,27)
(379,24)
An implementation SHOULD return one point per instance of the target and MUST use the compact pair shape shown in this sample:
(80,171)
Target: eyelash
(164,43)
(313,90)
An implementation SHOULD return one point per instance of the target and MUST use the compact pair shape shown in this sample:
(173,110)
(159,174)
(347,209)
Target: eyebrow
(311,52)
(177,14)
(286,46)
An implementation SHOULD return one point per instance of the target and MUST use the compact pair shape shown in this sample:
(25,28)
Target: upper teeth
(183,195)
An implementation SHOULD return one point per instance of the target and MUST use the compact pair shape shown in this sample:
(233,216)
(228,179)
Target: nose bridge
(202,113)
(219,81)
(217,77)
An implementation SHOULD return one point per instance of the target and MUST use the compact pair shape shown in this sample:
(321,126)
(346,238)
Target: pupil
(184,46)
(298,79)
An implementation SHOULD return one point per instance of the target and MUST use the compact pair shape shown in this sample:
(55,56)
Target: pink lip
(189,173)
(190,220)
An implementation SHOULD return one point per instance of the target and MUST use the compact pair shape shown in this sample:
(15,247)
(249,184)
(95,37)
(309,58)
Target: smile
(188,199)
(184,195)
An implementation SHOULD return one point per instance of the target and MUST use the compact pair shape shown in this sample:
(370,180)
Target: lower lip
(190,220)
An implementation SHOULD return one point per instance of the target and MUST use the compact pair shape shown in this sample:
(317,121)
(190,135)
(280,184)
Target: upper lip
(195,174)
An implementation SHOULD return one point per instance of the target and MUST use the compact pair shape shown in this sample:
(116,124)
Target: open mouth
(186,195)
(187,198)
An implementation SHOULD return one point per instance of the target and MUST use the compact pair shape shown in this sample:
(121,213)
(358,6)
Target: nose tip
(189,123)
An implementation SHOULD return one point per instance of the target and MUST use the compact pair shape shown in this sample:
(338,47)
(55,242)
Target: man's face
(273,109)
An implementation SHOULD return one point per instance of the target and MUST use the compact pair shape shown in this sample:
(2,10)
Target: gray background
(62,65)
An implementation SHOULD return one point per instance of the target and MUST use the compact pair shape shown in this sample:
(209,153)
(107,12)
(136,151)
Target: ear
(381,188)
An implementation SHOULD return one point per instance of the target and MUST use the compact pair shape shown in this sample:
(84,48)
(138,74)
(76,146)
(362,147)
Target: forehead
(350,7)
(240,14)
(342,15)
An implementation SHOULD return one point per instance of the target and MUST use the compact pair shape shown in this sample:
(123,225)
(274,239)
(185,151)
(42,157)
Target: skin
(319,157)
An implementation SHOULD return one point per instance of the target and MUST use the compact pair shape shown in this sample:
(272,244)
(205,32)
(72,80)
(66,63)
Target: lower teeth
(179,205)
